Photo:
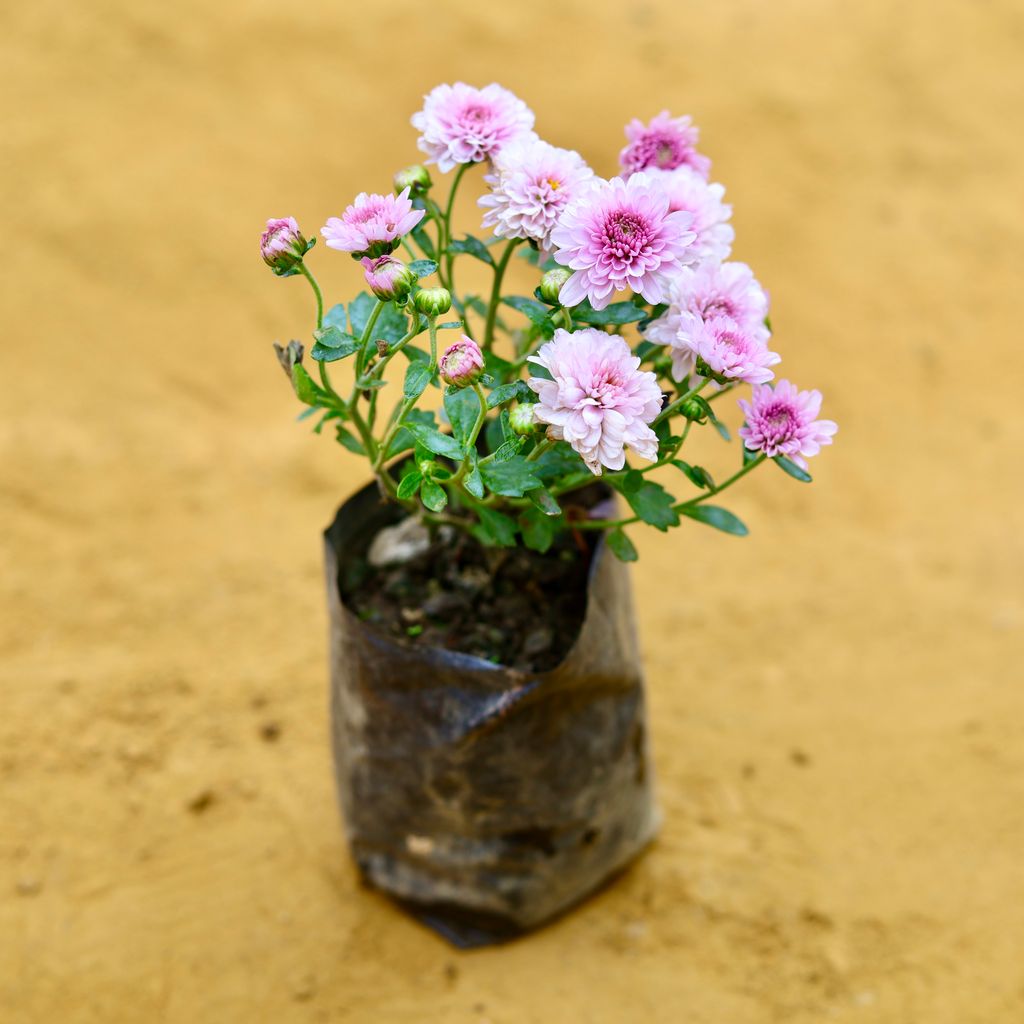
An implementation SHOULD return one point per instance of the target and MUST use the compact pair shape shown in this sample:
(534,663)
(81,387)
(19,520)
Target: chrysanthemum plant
(639,326)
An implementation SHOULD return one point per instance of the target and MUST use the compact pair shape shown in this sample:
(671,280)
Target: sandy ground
(837,702)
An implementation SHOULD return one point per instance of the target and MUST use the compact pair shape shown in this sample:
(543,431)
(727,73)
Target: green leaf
(494,529)
(474,247)
(536,312)
(433,495)
(790,467)
(558,462)
(507,450)
(305,388)
(403,439)
(621,546)
(632,481)
(335,340)
(511,478)
(475,303)
(697,475)
(414,354)
(506,392)
(359,310)
(436,442)
(336,317)
(748,455)
(417,377)
(653,504)
(462,408)
(410,482)
(349,440)
(719,518)
(424,241)
(423,268)
(474,482)
(616,313)
(450,325)
(392,325)
(544,501)
(538,529)
(722,429)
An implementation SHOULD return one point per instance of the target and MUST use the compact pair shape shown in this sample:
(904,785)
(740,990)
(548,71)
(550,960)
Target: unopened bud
(692,409)
(551,284)
(389,279)
(282,244)
(520,419)
(433,301)
(416,179)
(462,363)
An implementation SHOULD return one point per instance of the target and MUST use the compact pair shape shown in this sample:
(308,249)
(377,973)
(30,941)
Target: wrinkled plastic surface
(487,800)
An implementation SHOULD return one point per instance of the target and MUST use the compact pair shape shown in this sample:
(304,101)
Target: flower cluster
(638,323)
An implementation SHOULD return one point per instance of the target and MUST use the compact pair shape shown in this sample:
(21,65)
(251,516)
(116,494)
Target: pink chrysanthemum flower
(531,185)
(463,125)
(687,190)
(782,421)
(598,399)
(373,225)
(665,143)
(702,294)
(282,244)
(731,351)
(462,363)
(620,234)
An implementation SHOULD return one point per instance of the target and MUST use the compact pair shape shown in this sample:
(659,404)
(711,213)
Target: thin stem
(673,406)
(449,256)
(304,271)
(499,273)
(540,449)
(474,432)
(364,339)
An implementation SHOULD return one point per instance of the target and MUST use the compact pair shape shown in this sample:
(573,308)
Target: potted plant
(487,695)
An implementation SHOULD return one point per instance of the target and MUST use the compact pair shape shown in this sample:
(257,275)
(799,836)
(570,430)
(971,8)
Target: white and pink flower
(783,421)
(621,235)
(598,400)
(462,363)
(373,225)
(688,191)
(664,144)
(731,351)
(531,184)
(460,124)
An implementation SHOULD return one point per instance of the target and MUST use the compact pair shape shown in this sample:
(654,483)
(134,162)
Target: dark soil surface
(511,606)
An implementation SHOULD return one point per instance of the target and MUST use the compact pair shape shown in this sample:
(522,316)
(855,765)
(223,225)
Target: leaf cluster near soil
(510,606)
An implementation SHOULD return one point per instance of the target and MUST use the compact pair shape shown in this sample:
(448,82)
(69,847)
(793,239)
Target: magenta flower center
(625,236)
(605,388)
(719,306)
(778,421)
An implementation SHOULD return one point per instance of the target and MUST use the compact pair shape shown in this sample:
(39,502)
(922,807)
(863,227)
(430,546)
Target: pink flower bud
(282,244)
(462,363)
(388,278)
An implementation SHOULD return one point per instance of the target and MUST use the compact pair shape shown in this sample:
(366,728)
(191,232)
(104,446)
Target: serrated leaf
(436,442)
(410,483)
(506,392)
(472,246)
(334,337)
(616,313)
(538,529)
(790,467)
(720,518)
(433,495)
(631,482)
(494,529)
(403,439)
(544,501)
(621,546)
(507,450)
(336,317)
(423,268)
(462,408)
(511,478)
(417,377)
(359,310)
(536,312)
(474,482)
(557,462)
(653,504)
(414,354)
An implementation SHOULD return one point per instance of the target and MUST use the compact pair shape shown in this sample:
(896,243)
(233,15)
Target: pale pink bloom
(701,294)
(373,225)
(687,190)
(282,244)
(782,421)
(665,143)
(460,124)
(598,400)
(462,363)
(531,184)
(620,234)
(732,351)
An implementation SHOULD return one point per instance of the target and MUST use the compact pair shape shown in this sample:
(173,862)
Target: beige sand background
(837,702)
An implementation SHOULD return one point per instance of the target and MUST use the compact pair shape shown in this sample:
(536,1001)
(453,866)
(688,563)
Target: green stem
(540,449)
(449,257)
(673,406)
(492,309)
(305,272)
(365,338)
(475,432)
